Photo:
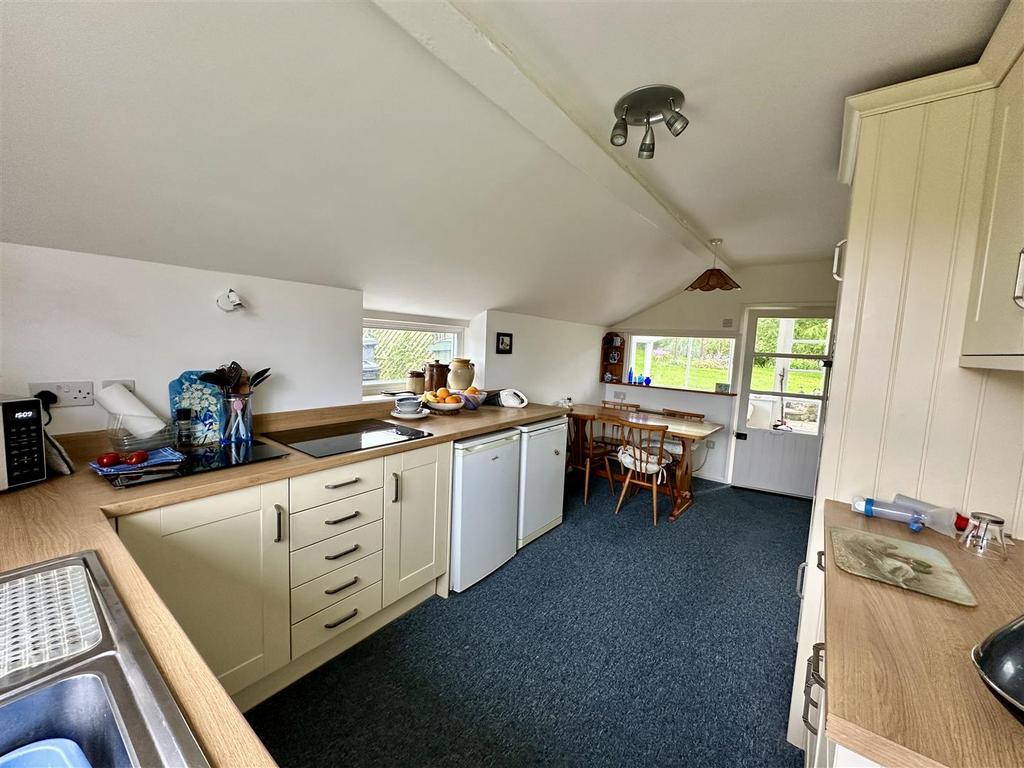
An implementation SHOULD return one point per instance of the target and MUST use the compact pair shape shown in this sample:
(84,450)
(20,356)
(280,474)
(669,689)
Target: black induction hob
(345,437)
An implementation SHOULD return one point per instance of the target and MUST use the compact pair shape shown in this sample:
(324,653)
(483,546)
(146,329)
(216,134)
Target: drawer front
(319,523)
(337,585)
(337,483)
(335,552)
(191,514)
(331,622)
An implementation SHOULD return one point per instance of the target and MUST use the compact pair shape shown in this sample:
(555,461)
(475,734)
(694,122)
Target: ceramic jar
(462,374)
(436,375)
(414,382)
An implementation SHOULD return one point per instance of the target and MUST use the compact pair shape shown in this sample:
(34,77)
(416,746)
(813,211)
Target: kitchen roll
(136,417)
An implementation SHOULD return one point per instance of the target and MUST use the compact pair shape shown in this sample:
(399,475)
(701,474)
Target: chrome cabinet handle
(801,576)
(398,487)
(836,255)
(342,620)
(808,703)
(280,523)
(333,486)
(348,551)
(337,520)
(821,559)
(1018,287)
(351,583)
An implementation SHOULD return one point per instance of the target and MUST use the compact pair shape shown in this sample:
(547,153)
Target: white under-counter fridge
(541,477)
(485,496)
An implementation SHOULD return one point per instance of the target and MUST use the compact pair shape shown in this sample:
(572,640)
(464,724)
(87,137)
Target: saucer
(422,413)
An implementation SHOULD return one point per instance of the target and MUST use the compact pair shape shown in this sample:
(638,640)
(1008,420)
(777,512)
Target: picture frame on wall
(503,343)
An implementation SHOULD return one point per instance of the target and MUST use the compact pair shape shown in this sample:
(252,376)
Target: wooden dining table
(685,430)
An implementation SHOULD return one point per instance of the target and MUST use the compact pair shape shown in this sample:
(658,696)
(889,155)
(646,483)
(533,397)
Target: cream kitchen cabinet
(417,496)
(221,566)
(994,331)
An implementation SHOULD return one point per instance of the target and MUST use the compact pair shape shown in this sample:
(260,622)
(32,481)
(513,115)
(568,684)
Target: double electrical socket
(68,392)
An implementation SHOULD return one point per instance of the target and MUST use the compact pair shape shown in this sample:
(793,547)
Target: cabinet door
(417,504)
(995,322)
(221,566)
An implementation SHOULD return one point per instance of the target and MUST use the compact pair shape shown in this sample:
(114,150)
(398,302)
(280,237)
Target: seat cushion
(641,461)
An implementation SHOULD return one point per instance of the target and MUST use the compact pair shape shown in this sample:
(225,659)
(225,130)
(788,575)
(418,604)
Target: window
(787,373)
(682,362)
(392,348)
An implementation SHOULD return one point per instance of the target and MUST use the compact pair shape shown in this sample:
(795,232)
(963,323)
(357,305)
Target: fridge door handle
(491,445)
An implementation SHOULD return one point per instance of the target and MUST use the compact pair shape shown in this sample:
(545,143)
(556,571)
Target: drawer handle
(337,520)
(348,551)
(801,575)
(821,559)
(335,486)
(350,583)
(342,620)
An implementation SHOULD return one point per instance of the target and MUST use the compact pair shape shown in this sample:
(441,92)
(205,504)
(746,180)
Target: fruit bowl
(445,408)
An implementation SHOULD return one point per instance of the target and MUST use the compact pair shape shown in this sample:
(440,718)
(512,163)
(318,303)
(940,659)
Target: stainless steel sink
(80,671)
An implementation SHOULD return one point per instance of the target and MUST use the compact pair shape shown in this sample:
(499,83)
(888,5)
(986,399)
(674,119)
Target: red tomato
(137,458)
(109,460)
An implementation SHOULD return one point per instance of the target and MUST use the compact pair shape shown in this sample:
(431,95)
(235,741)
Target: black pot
(1000,662)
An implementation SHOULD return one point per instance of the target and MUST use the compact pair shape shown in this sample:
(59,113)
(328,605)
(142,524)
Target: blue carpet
(606,642)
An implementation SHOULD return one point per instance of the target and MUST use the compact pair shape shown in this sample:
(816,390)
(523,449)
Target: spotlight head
(619,132)
(647,145)
(675,121)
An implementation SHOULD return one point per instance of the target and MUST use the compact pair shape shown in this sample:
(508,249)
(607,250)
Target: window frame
(409,323)
(676,334)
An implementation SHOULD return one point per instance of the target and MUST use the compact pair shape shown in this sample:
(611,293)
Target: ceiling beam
(491,68)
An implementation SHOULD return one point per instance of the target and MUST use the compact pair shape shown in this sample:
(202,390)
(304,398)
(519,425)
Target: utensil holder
(236,427)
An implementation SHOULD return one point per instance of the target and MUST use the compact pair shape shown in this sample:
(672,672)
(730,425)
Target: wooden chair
(673,445)
(584,451)
(606,433)
(642,454)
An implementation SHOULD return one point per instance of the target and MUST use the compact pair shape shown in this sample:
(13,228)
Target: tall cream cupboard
(904,416)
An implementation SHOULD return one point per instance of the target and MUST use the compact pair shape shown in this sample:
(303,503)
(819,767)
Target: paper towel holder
(229,301)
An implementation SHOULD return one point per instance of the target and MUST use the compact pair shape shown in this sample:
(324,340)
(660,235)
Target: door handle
(398,487)
(344,552)
(836,256)
(337,520)
(334,486)
(1018,286)
(280,523)
(801,575)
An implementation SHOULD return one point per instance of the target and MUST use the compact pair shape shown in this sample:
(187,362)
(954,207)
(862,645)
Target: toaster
(22,446)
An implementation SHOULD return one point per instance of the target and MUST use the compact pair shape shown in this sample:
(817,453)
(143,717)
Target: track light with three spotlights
(646,106)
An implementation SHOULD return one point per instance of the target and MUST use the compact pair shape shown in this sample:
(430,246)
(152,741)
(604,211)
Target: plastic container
(49,753)
(937,518)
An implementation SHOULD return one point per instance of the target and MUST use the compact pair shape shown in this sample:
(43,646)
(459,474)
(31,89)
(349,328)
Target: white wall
(550,358)
(67,315)
(804,283)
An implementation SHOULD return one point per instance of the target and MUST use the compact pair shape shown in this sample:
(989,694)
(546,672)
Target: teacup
(407,404)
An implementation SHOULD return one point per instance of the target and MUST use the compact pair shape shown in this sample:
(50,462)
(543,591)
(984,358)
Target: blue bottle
(629,379)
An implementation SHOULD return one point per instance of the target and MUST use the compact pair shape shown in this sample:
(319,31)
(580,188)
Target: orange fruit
(442,393)
(453,399)
(472,391)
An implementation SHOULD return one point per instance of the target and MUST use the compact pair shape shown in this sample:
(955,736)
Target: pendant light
(714,278)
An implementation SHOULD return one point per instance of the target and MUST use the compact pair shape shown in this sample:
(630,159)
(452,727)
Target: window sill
(668,389)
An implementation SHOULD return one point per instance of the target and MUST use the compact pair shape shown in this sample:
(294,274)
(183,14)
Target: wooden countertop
(902,689)
(69,514)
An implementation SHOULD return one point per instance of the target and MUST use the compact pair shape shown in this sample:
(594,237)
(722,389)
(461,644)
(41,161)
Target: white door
(541,481)
(221,566)
(785,372)
(417,487)
(484,507)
